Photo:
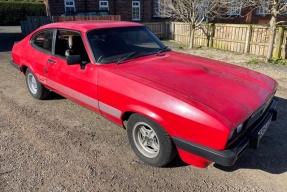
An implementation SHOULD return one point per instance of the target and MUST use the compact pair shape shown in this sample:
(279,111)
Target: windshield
(113,44)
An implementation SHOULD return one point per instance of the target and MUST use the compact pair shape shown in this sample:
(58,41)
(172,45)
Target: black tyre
(150,141)
(36,89)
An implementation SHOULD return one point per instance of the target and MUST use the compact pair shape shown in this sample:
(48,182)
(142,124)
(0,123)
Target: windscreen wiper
(162,49)
(129,56)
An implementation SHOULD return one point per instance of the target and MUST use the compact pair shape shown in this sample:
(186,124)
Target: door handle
(51,61)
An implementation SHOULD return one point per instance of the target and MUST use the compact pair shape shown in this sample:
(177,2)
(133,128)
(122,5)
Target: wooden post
(166,30)
(211,35)
(248,39)
(278,45)
(23,29)
(171,28)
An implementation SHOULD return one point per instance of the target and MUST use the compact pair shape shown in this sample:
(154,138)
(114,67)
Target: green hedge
(11,13)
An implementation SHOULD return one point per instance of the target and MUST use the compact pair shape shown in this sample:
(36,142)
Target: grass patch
(255,61)
(278,61)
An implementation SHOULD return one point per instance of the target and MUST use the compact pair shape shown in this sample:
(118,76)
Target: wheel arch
(150,114)
(23,69)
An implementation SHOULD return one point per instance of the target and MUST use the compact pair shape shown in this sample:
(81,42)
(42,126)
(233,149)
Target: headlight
(239,128)
(231,135)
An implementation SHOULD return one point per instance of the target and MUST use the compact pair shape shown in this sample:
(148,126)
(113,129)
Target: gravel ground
(57,145)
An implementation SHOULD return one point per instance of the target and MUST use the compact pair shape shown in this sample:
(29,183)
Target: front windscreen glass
(114,44)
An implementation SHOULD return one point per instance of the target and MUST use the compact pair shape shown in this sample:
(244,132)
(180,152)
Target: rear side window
(43,40)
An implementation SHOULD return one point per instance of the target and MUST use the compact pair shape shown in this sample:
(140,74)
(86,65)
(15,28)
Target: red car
(170,103)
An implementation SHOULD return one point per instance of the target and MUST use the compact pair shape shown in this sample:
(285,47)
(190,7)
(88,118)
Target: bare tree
(195,12)
(275,8)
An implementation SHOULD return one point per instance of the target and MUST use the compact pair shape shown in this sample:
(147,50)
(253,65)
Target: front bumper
(229,156)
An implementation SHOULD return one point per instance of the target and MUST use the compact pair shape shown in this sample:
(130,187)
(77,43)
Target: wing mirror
(74,59)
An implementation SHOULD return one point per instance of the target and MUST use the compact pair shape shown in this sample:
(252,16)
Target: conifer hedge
(12,12)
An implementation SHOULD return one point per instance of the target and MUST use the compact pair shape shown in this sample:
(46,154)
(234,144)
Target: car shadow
(8,37)
(55,96)
(270,156)
(177,162)
(272,153)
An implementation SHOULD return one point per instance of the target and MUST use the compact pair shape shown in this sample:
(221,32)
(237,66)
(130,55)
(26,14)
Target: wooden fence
(33,22)
(161,29)
(241,38)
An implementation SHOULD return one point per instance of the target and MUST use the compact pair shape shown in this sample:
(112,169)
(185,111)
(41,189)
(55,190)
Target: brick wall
(56,7)
(116,7)
(124,9)
(248,17)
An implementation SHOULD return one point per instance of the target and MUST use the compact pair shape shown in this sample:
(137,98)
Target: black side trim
(229,156)
(15,65)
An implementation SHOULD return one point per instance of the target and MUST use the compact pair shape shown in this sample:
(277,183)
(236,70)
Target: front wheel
(36,89)
(150,141)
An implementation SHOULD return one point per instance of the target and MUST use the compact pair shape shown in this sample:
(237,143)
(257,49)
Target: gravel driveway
(57,145)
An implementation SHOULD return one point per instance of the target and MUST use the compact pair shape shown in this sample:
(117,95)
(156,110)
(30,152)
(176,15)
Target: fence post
(248,39)
(278,46)
(211,35)
(172,28)
(23,28)
(166,30)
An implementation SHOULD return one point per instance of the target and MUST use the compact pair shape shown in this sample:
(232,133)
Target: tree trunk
(191,40)
(272,35)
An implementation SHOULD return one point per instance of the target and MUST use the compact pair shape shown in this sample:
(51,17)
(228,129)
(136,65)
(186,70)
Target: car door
(37,57)
(77,82)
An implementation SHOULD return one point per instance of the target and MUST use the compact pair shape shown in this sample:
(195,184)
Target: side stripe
(85,99)
(110,110)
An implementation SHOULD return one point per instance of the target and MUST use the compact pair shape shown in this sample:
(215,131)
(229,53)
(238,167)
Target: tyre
(36,89)
(150,141)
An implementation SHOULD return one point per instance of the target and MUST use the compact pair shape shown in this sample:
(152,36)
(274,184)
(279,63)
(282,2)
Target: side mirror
(74,59)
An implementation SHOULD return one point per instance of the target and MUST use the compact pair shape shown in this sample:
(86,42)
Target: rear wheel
(36,89)
(150,141)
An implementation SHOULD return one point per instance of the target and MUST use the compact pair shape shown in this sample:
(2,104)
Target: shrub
(12,12)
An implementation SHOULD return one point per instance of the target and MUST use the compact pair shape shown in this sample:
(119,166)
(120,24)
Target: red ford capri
(170,103)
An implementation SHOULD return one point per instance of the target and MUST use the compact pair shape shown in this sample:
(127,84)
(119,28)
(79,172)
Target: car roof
(85,26)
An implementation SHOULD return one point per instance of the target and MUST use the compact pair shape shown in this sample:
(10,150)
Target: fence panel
(160,29)
(283,46)
(181,32)
(201,35)
(253,39)
(32,23)
(259,40)
(230,37)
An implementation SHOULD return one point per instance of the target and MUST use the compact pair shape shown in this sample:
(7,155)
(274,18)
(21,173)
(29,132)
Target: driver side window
(70,43)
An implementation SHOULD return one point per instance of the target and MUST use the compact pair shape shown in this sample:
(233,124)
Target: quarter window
(135,10)
(43,40)
(104,5)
